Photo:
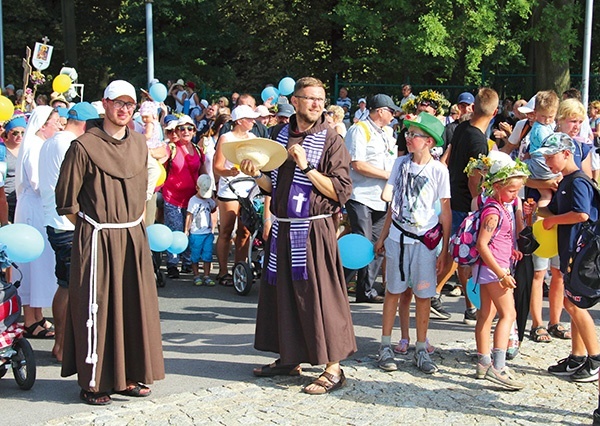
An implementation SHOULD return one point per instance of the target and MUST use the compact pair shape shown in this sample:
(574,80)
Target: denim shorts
(61,242)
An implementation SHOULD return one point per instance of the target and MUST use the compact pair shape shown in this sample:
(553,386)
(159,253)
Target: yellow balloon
(162,177)
(7,108)
(61,83)
(548,240)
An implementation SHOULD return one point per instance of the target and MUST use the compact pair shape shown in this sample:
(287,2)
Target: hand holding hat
(265,154)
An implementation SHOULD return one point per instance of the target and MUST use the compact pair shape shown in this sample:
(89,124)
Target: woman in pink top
(184,164)
(496,246)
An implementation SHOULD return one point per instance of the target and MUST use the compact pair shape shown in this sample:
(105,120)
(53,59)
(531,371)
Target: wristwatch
(308,168)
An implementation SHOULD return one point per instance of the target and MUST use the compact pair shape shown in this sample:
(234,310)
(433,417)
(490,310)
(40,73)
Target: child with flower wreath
(503,179)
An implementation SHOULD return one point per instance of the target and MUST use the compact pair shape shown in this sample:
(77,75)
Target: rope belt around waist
(299,219)
(91,323)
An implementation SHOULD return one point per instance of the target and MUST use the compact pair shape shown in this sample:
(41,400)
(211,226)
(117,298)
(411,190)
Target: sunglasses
(432,104)
(17,132)
(186,128)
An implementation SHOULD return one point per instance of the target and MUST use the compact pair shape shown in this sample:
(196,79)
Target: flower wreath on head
(483,164)
(433,96)
(410,107)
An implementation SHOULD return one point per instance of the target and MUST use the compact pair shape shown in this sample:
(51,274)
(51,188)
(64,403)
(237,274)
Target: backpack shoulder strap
(364,126)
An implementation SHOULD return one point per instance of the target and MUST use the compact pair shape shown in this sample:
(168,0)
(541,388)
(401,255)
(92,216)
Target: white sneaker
(503,378)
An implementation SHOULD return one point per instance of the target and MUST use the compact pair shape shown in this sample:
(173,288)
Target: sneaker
(186,269)
(511,353)
(455,292)
(424,362)
(385,361)
(172,272)
(588,372)
(198,281)
(402,347)
(470,317)
(566,366)
(596,417)
(503,378)
(209,282)
(437,308)
(481,370)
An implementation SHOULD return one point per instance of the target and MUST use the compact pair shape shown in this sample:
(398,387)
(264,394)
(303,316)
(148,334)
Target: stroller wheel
(242,278)
(3,369)
(23,364)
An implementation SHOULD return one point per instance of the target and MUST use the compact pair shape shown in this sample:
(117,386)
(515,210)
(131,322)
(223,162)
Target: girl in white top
(243,119)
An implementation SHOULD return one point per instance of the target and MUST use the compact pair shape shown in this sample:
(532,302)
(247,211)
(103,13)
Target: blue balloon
(23,242)
(269,92)
(160,237)
(474,292)
(356,251)
(158,91)
(286,86)
(179,244)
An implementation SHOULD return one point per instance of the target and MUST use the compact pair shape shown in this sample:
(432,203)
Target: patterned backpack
(463,244)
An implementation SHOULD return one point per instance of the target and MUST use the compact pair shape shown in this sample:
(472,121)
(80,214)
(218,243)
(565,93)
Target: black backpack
(582,280)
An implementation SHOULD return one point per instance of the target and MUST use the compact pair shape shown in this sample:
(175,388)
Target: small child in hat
(198,227)
(152,129)
(415,183)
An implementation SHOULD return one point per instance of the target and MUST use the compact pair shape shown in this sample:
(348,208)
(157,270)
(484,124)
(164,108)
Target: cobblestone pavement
(371,396)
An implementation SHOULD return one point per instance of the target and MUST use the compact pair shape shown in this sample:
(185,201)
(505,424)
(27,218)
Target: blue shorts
(457,219)
(201,247)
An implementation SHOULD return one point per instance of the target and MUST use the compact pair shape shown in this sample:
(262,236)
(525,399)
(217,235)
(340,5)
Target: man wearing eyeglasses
(373,151)
(112,333)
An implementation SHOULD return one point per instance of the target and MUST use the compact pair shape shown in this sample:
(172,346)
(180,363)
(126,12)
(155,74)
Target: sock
(578,358)
(386,341)
(499,356)
(484,359)
(420,346)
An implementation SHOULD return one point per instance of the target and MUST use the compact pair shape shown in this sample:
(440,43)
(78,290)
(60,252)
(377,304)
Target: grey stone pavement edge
(207,342)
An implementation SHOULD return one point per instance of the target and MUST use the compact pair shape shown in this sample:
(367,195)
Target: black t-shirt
(468,142)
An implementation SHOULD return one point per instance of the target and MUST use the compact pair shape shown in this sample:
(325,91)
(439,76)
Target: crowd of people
(403,174)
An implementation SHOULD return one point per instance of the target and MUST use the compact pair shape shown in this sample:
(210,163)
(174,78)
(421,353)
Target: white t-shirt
(361,115)
(376,147)
(427,184)
(52,155)
(200,209)
(515,138)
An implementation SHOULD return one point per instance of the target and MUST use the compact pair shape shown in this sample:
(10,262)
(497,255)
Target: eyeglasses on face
(410,135)
(120,104)
(17,132)
(186,128)
(311,99)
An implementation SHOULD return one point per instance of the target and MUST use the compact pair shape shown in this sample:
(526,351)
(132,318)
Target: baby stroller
(15,350)
(251,208)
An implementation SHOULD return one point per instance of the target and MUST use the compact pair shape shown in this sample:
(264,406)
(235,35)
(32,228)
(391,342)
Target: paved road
(207,340)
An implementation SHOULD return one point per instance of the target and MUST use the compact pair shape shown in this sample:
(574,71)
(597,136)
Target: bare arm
(369,170)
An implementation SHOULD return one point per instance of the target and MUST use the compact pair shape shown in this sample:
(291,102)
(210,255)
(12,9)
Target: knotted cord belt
(91,323)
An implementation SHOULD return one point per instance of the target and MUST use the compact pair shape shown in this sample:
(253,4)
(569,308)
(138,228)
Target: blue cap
(466,98)
(169,117)
(62,112)
(15,121)
(83,111)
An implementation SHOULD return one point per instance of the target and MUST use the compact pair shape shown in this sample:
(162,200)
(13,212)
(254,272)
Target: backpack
(582,279)
(463,244)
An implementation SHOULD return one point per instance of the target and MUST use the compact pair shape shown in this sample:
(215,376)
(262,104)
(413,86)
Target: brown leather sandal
(277,369)
(327,383)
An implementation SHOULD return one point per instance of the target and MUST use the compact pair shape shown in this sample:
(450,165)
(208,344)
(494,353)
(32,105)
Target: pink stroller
(15,350)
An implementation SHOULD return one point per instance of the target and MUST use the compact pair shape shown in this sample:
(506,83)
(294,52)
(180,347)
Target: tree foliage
(242,45)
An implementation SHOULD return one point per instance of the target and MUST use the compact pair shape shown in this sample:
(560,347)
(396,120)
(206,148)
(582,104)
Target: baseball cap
(243,111)
(285,110)
(204,103)
(555,143)
(62,112)
(204,184)
(383,101)
(17,120)
(99,107)
(82,111)
(466,98)
(429,124)
(362,100)
(263,111)
(529,107)
(120,88)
